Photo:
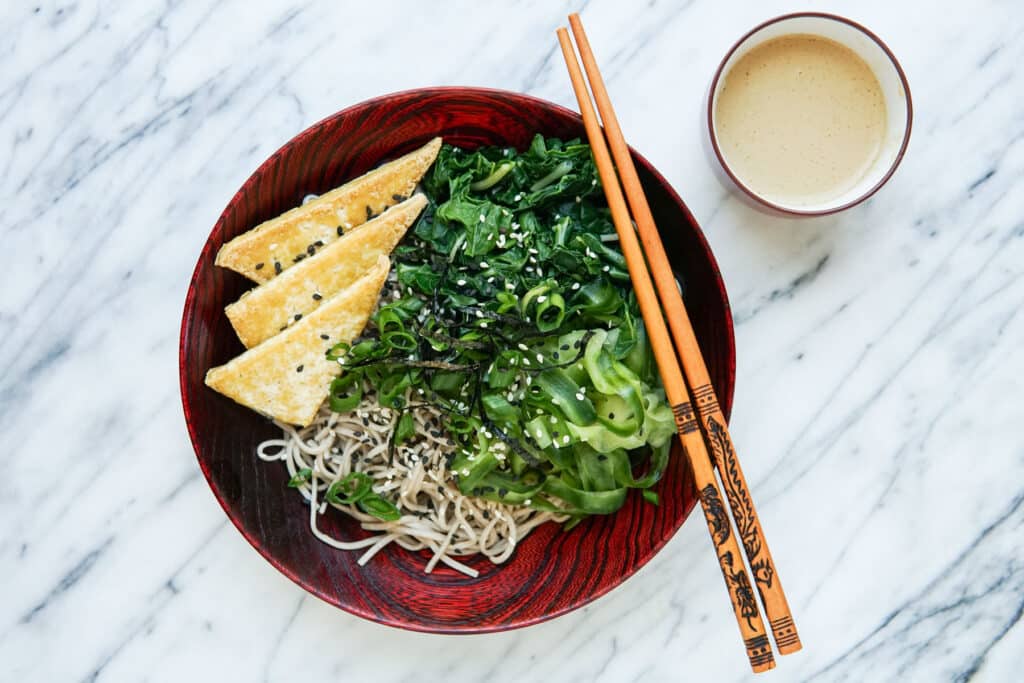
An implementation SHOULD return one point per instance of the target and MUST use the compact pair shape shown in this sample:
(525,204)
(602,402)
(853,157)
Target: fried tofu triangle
(288,376)
(272,307)
(274,246)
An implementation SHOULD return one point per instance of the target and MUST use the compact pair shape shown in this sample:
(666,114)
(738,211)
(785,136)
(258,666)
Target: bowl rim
(193,294)
(788,210)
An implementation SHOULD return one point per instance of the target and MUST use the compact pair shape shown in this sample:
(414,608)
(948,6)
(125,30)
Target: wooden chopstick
(730,560)
(704,399)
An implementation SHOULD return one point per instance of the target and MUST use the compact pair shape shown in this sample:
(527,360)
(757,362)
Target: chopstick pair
(702,418)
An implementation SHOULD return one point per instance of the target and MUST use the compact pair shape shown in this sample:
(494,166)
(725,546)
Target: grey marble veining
(879,391)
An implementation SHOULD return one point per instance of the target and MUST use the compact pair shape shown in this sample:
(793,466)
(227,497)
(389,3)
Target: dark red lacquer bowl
(551,572)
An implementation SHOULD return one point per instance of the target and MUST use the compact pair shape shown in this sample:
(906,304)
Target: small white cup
(890,77)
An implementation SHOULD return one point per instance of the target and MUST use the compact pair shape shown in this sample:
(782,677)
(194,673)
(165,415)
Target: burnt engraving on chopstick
(759,650)
(705,400)
(742,506)
(715,514)
(785,632)
(739,586)
(686,419)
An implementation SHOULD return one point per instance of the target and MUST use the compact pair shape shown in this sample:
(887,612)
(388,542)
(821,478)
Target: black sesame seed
(398,197)
(299,369)
(555,354)
(283,328)
(318,243)
(358,433)
(311,250)
(325,336)
(611,416)
(502,492)
(259,266)
(555,434)
(564,347)
(369,213)
(366,422)
(277,267)
(316,296)
(298,316)
(602,457)
(298,258)
(341,231)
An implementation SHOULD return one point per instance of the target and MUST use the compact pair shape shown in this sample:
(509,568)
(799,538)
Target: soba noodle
(414,476)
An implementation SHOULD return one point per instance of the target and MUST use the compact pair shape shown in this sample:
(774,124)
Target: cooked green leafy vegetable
(513,314)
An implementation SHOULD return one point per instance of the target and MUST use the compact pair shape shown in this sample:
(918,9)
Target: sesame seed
(523,347)
(527,501)
(541,299)
(311,249)
(540,358)
(580,397)
(461,283)
(316,296)
(259,266)
(340,231)
(483,324)
(606,268)
(482,219)
(575,286)
(277,267)
(325,336)
(532,250)
(485,264)
(298,316)
(565,439)
(490,279)
(299,369)
(578,200)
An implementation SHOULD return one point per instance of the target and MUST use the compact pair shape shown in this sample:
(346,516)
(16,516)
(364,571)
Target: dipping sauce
(800,119)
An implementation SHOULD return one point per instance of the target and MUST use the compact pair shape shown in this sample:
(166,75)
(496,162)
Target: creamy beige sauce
(800,119)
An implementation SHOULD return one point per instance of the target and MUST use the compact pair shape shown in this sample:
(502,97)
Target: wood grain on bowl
(551,572)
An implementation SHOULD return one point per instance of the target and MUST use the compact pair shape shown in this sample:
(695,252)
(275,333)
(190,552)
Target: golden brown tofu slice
(274,306)
(288,376)
(275,245)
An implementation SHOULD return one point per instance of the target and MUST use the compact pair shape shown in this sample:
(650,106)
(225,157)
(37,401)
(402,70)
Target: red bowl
(552,572)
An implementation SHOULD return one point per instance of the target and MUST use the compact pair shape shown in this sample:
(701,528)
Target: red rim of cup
(811,212)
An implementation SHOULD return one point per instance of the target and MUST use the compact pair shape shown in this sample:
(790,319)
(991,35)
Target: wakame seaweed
(513,314)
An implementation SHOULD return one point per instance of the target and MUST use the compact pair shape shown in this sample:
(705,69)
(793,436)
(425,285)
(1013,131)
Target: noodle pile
(414,476)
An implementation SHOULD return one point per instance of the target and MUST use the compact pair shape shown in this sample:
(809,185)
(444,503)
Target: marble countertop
(879,392)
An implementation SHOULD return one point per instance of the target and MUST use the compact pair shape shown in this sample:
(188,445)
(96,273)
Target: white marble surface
(879,403)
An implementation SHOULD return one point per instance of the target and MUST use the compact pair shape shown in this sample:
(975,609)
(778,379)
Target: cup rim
(832,209)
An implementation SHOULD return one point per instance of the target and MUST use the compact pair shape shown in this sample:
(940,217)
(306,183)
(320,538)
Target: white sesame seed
(580,397)
(575,285)
(526,362)
(509,285)
(553,419)
(540,358)
(527,501)
(578,200)
(484,324)
(485,264)
(482,219)
(515,225)
(541,299)
(523,347)
(532,250)
(517,198)
(606,268)
(490,279)
(478,314)
(593,182)
(461,283)
(565,439)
